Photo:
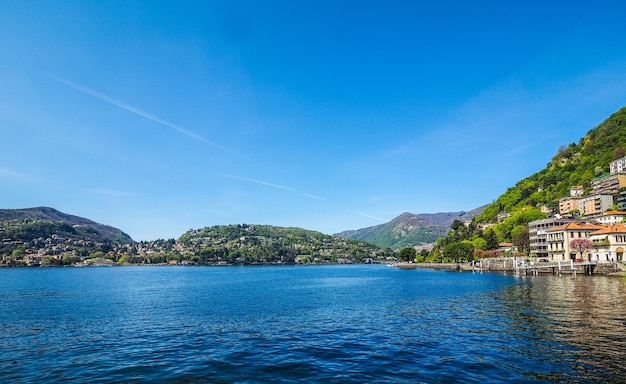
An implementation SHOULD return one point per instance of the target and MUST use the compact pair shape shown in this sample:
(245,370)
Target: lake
(288,324)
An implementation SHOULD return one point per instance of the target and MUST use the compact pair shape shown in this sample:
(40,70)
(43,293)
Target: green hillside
(573,164)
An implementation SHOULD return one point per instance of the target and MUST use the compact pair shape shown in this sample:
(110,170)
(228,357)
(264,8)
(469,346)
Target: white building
(611,217)
(609,243)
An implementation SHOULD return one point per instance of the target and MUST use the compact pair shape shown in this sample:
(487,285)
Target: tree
(521,238)
(460,251)
(581,246)
(480,243)
(492,239)
(407,254)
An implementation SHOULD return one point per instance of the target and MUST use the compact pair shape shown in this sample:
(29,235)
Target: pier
(525,267)
(557,268)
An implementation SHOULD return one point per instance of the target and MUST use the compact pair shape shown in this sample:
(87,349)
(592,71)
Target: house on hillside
(595,204)
(608,184)
(507,248)
(618,166)
(569,204)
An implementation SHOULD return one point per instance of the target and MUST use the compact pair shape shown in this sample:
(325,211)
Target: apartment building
(595,204)
(621,200)
(608,184)
(576,191)
(568,204)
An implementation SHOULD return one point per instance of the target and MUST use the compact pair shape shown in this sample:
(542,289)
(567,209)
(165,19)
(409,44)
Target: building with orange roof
(609,243)
(611,217)
(559,239)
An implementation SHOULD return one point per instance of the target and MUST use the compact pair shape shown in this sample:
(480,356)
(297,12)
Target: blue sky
(161,116)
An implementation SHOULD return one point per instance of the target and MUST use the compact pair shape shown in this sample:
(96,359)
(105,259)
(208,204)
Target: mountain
(32,223)
(409,229)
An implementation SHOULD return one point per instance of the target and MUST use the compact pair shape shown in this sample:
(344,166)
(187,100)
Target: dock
(557,268)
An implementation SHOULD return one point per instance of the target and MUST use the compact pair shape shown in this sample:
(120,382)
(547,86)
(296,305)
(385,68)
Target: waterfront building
(609,243)
(559,240)
(537,231)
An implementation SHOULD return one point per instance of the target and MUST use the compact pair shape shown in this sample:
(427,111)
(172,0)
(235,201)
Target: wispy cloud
(313,196)
(144,114)
(109,192)
(372,217)
(260,182)
(519,149)
(52,141)
(274,186)
(10,174)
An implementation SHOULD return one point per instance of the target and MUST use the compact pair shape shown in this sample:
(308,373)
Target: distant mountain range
(410,229)
(31,223)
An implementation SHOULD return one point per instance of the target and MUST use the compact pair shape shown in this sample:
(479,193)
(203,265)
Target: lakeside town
(588,228)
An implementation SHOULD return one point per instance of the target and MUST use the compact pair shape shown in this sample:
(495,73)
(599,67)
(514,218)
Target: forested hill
(573,164)
(266,244)
(44,222)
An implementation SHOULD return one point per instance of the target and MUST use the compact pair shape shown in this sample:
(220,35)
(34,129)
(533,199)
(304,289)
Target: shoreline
(466,267)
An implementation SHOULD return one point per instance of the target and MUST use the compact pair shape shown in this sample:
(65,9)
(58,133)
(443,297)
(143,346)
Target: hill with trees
(507,218)
(266,244)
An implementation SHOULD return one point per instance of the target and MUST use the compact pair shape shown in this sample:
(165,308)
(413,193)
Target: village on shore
(587,234)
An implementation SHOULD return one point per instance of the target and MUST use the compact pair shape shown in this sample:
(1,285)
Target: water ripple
(330,324)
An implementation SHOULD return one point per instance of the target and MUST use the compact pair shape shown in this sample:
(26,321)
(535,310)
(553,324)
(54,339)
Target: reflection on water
(580,320)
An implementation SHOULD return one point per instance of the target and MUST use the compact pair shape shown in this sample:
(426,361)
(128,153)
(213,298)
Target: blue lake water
(336,324)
